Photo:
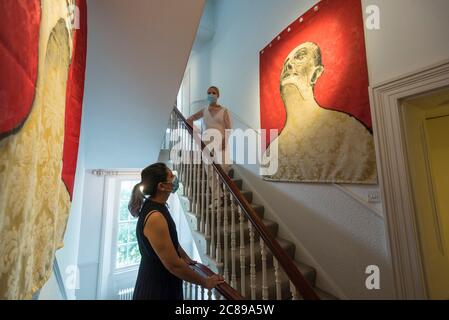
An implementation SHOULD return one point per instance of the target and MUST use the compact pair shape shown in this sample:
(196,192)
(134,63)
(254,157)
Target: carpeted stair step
(246,193)
(271,226)
(288,247)
(308,273)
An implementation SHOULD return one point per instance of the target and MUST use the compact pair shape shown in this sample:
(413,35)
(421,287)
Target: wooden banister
(228,292)
(295,276)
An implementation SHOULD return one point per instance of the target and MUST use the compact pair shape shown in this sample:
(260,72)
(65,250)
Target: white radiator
(126,294)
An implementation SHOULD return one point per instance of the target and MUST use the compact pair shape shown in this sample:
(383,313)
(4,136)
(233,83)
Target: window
(127,254)
(119,251)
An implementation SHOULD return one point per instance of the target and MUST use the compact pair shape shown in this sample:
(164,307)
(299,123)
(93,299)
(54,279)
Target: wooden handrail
(225,289)
(295,276)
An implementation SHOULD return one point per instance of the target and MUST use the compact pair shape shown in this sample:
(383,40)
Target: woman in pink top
(216,117)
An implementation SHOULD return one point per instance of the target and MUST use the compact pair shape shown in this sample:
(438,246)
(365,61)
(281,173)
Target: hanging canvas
(314,90)
(43,46)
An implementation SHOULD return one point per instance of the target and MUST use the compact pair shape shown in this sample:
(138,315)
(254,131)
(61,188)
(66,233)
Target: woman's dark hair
(151,176)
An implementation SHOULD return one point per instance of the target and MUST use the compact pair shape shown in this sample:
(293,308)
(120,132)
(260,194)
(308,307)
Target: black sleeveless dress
(154,281)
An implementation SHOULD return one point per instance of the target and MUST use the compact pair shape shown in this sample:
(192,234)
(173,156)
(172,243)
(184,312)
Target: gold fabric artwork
(34,202)
(316,144)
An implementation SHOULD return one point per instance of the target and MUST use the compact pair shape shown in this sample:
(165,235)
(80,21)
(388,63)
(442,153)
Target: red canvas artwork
(74,99)
(314,91)
(19,41)
(337,28)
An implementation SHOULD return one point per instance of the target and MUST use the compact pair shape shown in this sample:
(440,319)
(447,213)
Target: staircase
(233,237)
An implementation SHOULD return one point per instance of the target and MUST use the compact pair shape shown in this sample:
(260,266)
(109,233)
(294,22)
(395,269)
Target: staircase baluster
(242,253)
(190,291)
(189,174)
(263,253)
(198,184)
(219,208)
(179,149)
(226,233)
(252,265)
(180,165)
(176,147)
(203,196)
(173,133)
(185,154)
(181,134)
(196,292)
(212,225)
(187,181)
(293,291)
(208,210)
(202,293)
(173,146)
(178,142)
(209,294)
(192,178)
(172,127)
(170,120)
(277,278)
(189,159)
(233,244)
(194,182)
(182,155)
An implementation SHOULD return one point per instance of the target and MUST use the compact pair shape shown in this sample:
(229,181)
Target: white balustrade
(277,279)
(252,265)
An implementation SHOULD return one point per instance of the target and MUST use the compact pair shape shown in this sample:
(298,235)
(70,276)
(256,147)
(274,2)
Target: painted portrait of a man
(321,89)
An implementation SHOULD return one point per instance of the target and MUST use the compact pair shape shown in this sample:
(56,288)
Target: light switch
(374,196)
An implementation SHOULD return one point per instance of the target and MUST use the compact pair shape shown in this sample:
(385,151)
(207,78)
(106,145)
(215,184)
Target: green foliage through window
(127,248)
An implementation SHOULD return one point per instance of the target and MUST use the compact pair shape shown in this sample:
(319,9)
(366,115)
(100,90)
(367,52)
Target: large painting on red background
(314,90)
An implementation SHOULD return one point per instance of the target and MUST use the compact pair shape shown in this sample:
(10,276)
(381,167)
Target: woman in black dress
(164,264)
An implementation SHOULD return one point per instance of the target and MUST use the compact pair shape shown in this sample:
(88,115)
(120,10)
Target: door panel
(427,137)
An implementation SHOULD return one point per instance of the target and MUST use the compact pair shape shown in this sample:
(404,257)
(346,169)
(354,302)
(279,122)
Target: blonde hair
(216,88)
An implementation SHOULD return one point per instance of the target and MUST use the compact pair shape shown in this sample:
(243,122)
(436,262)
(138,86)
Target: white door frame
(394,177)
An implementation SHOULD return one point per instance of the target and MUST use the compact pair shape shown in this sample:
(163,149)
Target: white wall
(199,60)
(90,240)
(413,35)
(333,232)
(51,291)
(200,77)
